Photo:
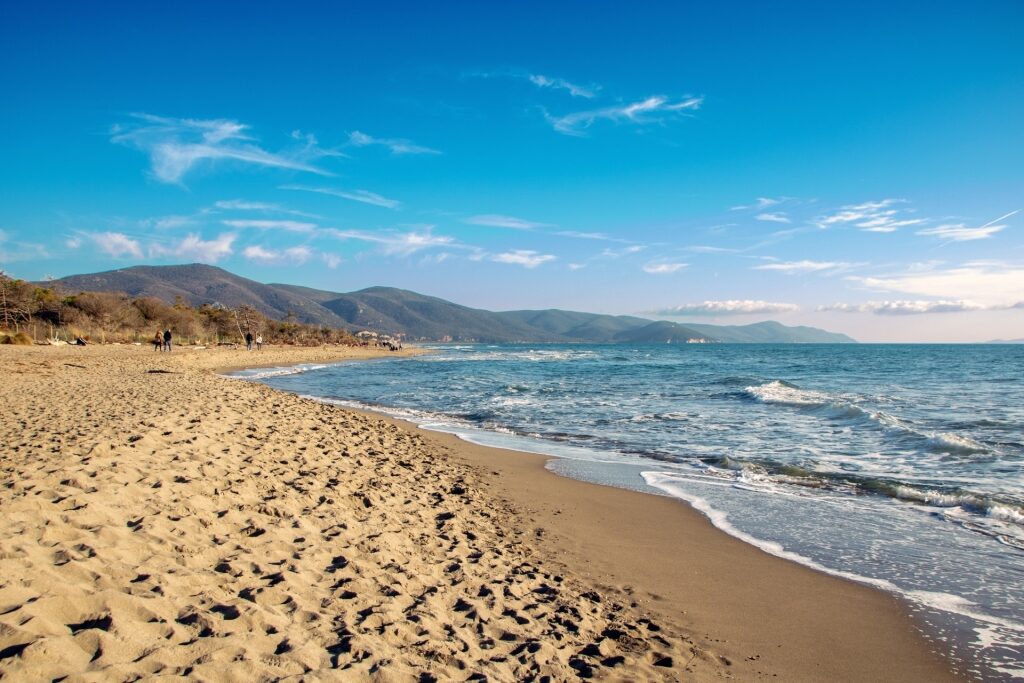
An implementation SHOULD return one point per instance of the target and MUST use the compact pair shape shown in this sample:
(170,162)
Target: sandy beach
(162,520)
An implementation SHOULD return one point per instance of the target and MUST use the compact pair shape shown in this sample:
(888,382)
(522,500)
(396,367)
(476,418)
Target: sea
(896,466)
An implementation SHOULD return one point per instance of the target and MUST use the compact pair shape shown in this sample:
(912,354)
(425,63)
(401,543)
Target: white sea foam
(266,373)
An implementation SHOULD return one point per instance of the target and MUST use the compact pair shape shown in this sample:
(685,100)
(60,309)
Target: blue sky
(854,167)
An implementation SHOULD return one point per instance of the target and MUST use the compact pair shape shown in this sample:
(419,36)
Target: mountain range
(417,316)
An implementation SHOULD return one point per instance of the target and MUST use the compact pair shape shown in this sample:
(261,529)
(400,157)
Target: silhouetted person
(167,340)
(248,341)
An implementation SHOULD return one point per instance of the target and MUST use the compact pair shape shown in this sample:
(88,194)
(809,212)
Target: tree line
(32,312)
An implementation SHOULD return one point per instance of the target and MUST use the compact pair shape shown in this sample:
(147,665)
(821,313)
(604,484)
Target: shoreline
(181,523)
(528,470)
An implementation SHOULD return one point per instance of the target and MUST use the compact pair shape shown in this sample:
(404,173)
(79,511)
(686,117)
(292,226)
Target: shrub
(18,338)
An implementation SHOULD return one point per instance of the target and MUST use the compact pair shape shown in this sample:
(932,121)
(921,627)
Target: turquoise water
(900,466)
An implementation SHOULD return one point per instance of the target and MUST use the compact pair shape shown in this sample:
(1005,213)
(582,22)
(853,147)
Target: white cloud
(991,284)
(904,307)
(729,307)
(883,215)
(664,268)
(804,266)
(396,145)
(177,146)
(960,232)
(773,217)
(761,204)
(117,244)
(364,196)
(395,243)
(332,260)
(73,242)
(562,84)
(577,266)
(650,110)
(195,247)
(626,251)
(243,205)
(297,255)
(290,226)
(498,221)
(522,257)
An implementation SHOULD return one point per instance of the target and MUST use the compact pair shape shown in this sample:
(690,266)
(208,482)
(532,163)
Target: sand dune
(181,523)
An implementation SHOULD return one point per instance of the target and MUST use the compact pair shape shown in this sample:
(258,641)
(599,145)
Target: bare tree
(15,302)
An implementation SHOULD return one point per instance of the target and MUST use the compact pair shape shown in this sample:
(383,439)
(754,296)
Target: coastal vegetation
(32,312)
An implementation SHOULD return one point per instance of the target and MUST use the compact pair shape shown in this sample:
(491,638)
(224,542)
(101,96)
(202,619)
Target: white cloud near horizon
(728,307)
(650,110)
(992,284)
(363,196)
(905,307)
(499,221)
(176,146)
(396,145)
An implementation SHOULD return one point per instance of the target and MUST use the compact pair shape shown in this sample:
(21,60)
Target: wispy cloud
(176,146)
(265,207)
(364,196)
(804,266)
(116,244)
(522,257)
(397,243)
(289,226)
(884,215)
(295,255)
(498,221)
(761,204)
(561,84)
(651,110)
(773,217)
(729,307)
(332,261)
(17,250)
(663,268)
(396,145)
(905,307)
(961,232)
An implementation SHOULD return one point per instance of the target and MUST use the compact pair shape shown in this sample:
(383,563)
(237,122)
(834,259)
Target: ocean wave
(844,407)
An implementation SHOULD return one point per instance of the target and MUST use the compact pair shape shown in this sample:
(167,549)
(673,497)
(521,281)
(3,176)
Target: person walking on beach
(167,340)
(158,341)
(248,341)
(259,342)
